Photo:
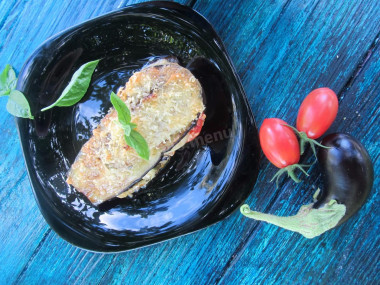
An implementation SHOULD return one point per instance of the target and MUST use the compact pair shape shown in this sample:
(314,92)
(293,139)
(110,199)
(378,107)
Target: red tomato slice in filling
(194,132)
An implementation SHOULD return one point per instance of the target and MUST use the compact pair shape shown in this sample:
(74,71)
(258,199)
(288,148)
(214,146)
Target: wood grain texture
(348,254)
(310,45)
(281,50)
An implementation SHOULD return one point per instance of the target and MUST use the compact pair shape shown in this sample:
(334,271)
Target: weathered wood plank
(67,264)
(292,61)
(348,254)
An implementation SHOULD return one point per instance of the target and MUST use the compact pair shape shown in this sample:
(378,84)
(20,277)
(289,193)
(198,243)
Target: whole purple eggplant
(348,173)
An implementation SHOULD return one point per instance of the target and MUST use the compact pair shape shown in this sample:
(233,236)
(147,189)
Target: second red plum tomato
(279,143)
(317,112)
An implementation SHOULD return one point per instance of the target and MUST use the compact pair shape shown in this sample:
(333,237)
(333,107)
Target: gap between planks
(357,70)
(36,250)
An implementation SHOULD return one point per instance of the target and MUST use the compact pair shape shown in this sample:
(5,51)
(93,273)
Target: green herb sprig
(18,105)
(133,138)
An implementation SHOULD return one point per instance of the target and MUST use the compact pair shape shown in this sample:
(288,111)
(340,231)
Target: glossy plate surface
(203,183)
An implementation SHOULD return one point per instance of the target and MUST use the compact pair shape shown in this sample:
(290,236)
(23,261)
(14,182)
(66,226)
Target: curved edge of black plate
(244,174)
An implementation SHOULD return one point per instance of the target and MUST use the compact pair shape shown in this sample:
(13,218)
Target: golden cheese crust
(164,99)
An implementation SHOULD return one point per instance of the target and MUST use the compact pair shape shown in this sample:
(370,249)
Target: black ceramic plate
(203,183)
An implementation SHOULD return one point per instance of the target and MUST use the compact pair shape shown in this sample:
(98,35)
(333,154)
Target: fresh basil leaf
(77,86)
(133,138)
(18,105)
(123,112)
(7,77)
(136,141)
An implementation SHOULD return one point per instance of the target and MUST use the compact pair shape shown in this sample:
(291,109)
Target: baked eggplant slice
(166,104)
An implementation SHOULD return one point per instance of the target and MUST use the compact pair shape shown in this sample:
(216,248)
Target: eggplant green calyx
(305,139)
(290,170)
(309,222)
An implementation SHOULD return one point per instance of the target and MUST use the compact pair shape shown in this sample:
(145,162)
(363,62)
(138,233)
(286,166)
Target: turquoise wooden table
(281,50)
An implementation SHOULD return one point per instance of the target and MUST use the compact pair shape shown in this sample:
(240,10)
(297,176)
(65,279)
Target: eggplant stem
(309,222)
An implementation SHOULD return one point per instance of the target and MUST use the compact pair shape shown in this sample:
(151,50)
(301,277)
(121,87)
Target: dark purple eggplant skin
(348,172)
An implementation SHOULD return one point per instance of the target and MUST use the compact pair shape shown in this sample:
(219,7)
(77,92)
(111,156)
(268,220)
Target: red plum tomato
(279,143)
(317,112)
